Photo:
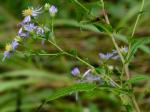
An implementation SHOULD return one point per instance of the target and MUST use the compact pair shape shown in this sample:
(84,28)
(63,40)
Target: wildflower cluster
(28,27)
(88,76)
(114,54)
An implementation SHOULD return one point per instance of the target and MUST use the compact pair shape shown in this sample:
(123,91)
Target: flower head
(14,44)
(31,12)
(23,34)
(75,71)
(105,56)
(29,27)
(6,54)
(37,11)
(39,31)
(114,51)
(27,12)
(116,56)
(8,47)
(124,49)
(53,10)
(27,19)
(89,77)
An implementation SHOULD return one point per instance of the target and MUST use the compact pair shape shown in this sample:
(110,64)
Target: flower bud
(75,71)
(47,6)
(53,10)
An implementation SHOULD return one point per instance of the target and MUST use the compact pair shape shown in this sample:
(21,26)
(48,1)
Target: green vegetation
(79,56)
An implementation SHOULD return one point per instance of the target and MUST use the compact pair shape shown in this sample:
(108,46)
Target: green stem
(52,25)
(117,48)
(52,28)
(126,65)
(77,2)
(111,34)
(138,18)
(104,12)
(135,104)
(56,46)
(83,7)
(40,54)
(136,23)
(78,58)
(121,77)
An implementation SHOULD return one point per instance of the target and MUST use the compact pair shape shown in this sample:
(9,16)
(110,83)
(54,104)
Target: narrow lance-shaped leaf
(136,79)
(103,27)
(67,90)
(135,44)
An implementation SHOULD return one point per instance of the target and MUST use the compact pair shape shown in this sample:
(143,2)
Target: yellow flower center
(27,12)
(8,47)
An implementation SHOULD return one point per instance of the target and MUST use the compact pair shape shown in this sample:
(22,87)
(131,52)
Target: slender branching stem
(135,104)
(117,48)
(126,65)
(111,34)
(83,61)
(64,52)
(52,29)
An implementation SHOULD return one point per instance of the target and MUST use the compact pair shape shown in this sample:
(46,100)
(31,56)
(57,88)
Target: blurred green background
(25,81)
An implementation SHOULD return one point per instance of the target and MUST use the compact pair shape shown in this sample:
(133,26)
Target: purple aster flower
(105,56)
(37,11)
(14,44)
(75,71)
(29,27)
(20,31)
(89,77)
(39,31)
(23,34)
(53,10)
(114,51)
(6,54)
(28,13)
(124,49)
(32,12)
(86,73)
(27,19)
(116,57)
